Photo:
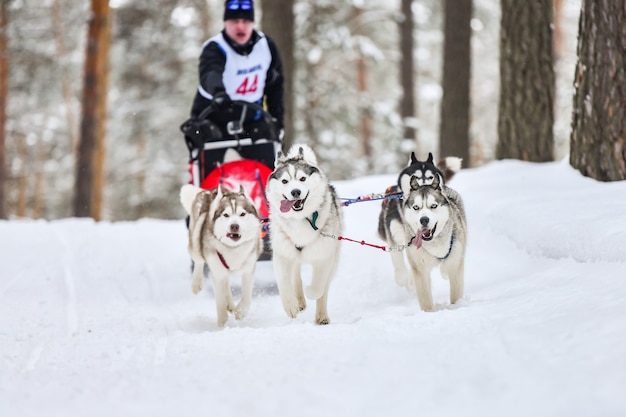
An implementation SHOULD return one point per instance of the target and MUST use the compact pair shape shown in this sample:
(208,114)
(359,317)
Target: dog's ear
(306,154)
(414,184)
(413,159)
(280,158)
(242,190)
(437,181)
(430,159)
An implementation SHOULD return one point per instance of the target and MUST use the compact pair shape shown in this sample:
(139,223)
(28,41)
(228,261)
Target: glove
(221,100)
(280,129)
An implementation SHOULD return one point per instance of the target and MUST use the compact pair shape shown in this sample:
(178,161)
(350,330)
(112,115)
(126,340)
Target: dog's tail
(188,194)
(450,165)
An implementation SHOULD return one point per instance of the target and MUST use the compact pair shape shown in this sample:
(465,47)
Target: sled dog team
(427,226)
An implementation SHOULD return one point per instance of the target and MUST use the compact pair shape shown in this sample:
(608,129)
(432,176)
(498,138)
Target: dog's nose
(295,193)
(234,228)
(424,221)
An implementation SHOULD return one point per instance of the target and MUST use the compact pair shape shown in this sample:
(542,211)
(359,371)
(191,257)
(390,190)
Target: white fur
(291,230)
(209,237)
(188,193)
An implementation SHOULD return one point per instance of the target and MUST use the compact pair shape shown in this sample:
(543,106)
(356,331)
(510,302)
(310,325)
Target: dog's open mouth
(423,235)
(295,205)
(233,236)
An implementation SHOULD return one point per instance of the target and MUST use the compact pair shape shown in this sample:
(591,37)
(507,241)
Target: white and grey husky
(428,225)
(305,215)
(225,234)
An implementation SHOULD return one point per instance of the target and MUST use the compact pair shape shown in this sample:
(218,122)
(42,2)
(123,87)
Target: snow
(98,319)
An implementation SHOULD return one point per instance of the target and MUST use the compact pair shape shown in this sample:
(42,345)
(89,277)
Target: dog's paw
(196,285)
(240,312)
(322,319)
(292,308)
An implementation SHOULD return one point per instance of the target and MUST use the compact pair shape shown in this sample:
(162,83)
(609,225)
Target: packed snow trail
(98,318)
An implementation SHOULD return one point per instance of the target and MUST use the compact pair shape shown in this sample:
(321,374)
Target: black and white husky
(305,222)
(428,226)
(225,234)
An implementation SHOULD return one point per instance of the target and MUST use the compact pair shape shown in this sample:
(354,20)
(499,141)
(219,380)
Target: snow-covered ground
(98,319)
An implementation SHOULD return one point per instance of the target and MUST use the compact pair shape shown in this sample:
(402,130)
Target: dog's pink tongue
(417,240)
(285,205)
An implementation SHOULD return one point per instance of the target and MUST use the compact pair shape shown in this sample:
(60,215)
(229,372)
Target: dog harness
(452,239)
(443,258)
(222,260)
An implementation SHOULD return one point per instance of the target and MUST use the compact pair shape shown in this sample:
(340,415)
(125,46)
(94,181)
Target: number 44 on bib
(248,86)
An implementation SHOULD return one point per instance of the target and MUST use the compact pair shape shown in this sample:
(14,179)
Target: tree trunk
(278,23)
(597,145)
(557,7)
(455,103)
(206,14)
(66,81)
(363,102)
(311,70)
(22,178)
(4,67)
(527,81)
(94,92)
(38,193)
(407,76)
(97,196)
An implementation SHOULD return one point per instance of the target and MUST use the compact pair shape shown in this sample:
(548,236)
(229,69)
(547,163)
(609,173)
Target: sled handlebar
(244,105)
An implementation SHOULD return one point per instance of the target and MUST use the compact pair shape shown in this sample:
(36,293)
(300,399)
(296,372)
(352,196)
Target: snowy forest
(345,91)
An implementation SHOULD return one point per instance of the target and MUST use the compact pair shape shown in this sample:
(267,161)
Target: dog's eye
(433,206)
(225,215)
(416,207)
(302,179)
(242,214)
(285,181)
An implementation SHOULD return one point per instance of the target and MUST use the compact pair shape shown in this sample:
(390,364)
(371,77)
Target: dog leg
(322,275)
(400,272)
(221,291)
(247,282)
(284,272)
(423,290)
(321,313)
(197,277)
(297,283)
(456,281)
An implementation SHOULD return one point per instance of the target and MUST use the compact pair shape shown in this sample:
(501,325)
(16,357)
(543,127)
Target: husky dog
(425,171)
(429,224)
(305,215)
(224,234)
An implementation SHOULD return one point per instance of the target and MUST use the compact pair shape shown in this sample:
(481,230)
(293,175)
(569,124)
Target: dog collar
(313,220)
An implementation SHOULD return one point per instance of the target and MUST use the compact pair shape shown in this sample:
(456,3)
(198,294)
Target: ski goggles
(239,5)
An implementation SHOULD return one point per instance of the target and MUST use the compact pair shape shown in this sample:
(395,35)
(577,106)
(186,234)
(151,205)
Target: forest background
(346,58)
